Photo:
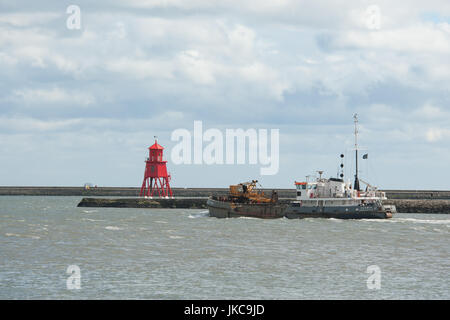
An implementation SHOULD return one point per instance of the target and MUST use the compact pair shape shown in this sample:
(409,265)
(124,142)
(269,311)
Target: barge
(245,200)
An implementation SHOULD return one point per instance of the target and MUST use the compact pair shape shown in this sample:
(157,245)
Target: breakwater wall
(187,203)
(420,206)
(403,206)
(193,192)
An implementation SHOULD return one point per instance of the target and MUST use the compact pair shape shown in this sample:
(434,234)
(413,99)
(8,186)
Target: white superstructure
(335,192)
(334,198)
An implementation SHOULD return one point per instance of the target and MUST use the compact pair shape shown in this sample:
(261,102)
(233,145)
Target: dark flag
(365,156)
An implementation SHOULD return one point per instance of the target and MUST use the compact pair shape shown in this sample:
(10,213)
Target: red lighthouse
(156,179)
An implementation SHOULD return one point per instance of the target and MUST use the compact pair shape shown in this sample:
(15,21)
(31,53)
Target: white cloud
(242,41)
(431,112)
(436,134)
(141,68)
(267,77)
(7,60)
(132,68)
(28,19)
(416,38)
(21,124)
(52,96)
(196,67)
(18,124)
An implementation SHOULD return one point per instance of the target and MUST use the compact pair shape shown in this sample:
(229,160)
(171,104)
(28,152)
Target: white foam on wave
(379,220)
(12,235)
(113,228)
(91,220)
(411,220)
(312,219)
(22,235)
(426,221)
(201,214)
(89,211)
(176,237)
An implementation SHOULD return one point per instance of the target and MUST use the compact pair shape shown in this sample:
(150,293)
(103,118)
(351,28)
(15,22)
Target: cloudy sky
(82,105)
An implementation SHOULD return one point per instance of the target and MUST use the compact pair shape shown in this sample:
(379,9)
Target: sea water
(51,249)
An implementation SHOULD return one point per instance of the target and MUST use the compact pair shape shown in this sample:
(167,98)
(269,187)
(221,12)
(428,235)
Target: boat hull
(340,212)
(226,209)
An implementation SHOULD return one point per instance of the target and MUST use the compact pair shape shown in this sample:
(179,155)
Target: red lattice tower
(156,179)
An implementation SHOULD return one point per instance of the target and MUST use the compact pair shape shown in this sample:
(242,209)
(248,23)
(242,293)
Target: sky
(83,105)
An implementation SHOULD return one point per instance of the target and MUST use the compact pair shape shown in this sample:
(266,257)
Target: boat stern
(389,210)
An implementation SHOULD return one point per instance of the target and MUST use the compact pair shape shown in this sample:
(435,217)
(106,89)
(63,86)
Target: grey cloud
(132,72)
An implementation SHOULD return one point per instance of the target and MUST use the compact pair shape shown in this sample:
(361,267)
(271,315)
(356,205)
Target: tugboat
(333,198)
(245,200)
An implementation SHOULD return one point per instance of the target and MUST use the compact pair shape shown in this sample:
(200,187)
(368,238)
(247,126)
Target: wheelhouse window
(301,186)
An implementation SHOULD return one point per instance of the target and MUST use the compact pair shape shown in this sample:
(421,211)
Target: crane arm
(366,183)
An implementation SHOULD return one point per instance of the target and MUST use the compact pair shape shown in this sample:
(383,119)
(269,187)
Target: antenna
(320,172)
(355,117)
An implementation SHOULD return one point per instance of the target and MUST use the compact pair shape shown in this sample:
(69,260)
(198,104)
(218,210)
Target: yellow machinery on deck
(248,192)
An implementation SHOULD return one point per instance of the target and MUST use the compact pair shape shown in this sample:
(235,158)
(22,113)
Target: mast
(355,117)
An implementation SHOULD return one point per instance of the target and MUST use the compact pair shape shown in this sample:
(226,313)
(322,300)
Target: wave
(89,211)
(92,220)
(21,235)
(113,228)
(201,214)
(427,221)
(411,220)
(12,235)
(246,218)
(380,220)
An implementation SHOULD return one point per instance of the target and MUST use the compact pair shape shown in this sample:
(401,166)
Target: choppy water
(184,254)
